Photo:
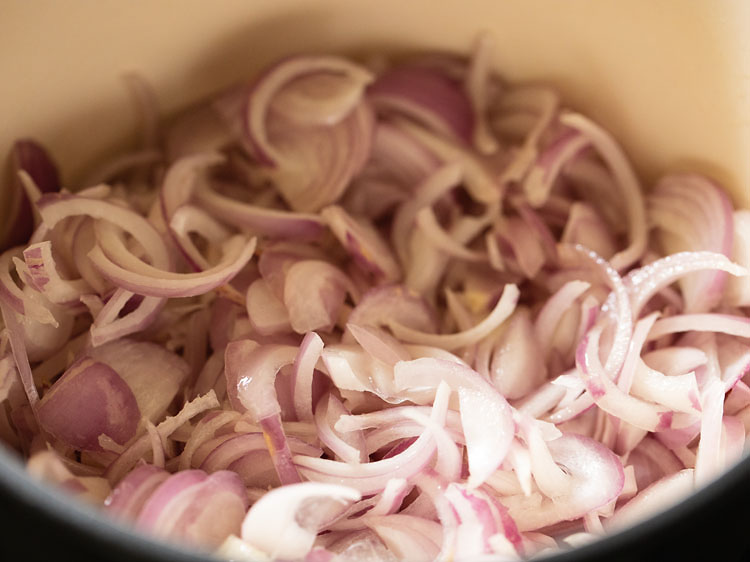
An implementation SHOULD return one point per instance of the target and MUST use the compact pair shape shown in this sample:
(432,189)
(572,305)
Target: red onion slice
(643,283)
(485,415)
(109,325)
(129,496)
(280,76)
(679,392)
(372,477)
(499,314)
(135,451)
(693,213)
(29,156)
(318,163)
(154,374)
(587,228)
(552,312)
(408,537)
(284,522)
(609,397)
(275,223)
(266,313)
(197,508)
(658,496)
(125,270)
(381,305)
(479,182)
(542,104)
(738,289)
(596,477)
(379,344)
(722,323)
(627,182)
(363,243)
(182,179)
(46,279)
(55,208)
(427,96)
(479,520)
(517,365)
(479,87)
(20,301)
(544,172)
(349,446)
(314,292)
(89,400)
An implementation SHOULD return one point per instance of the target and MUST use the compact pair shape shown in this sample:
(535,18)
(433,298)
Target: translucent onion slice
(284,522)
(485,415)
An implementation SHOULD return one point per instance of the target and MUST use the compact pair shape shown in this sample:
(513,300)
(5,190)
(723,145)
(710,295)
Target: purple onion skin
(31,157)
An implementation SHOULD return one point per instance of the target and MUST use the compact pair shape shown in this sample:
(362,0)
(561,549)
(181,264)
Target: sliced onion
(596,477)
(31,157)
(363,243)
(309,363)
(517,364)
(260,220)
(314,292)
(553,310)
(135,451)
(125,270)
(722,323)
(350,446)
(482,407)
(133,491)
(609,397)
(372,477)
(627,182)
(658,496)
(679,392)
(278,77)
(284,522)
(543,173)
(738,289)
(693,213)
(643,283)
(181,181)
(89,400)
(408,537)
(478,85)
(499,314)
(154,374)
(381,305)
(379,344)
(427,96)
(587,228)
(480,183)
(543,104)
(196,508)
(46,279)
(266,313)
(317,163)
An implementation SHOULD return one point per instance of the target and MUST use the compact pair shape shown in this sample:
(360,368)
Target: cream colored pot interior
(671,78)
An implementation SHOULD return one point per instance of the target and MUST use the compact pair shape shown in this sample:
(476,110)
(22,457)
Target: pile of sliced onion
(340,313)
